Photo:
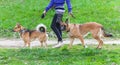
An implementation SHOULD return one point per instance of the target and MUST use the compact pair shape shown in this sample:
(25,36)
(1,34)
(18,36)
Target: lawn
(108,55)
(28,12)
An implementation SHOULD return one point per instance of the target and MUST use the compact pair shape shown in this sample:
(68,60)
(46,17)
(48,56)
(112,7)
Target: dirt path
(17,43)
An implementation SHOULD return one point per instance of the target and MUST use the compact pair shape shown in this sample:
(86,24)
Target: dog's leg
(99,40)
(100,44)
(97,37)
(82,41)
(71,42)
(28,44)
(25,43)
(41,43)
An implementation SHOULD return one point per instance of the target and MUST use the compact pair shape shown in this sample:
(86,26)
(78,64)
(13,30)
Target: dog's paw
(85,46)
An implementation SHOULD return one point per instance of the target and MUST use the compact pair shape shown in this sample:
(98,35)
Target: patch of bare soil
(18,43)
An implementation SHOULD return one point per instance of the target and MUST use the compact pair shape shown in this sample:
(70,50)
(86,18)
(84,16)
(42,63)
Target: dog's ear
(66,21)
(18,24)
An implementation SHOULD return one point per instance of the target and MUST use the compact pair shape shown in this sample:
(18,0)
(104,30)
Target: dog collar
(22,31)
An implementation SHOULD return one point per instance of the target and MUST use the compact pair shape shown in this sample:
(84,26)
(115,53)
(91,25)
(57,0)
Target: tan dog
(29,35)
(80,30)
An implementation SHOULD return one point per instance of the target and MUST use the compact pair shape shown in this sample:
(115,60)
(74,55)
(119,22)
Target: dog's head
(18,28)
(65,25)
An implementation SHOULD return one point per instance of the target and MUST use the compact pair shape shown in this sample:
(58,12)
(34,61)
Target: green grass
(77,55)
(27,12)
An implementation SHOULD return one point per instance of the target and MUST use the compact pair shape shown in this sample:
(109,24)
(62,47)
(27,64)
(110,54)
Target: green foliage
(28,12)
(61,56)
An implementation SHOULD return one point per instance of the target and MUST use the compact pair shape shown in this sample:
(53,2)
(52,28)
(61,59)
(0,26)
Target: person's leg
(59,19)
(56,27)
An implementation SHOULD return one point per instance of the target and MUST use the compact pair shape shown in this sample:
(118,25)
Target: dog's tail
(106,34)
(41,28)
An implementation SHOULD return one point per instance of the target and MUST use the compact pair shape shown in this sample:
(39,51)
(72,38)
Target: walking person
(59,11)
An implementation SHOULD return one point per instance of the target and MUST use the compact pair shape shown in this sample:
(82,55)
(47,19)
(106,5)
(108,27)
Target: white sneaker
(86,46)
(58,45)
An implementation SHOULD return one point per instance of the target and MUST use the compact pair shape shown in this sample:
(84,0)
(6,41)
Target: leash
(69,16)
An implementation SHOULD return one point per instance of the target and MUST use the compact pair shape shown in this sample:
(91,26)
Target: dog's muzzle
(63,28)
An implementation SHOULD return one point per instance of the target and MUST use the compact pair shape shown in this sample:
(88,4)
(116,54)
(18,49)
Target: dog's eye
(64,26)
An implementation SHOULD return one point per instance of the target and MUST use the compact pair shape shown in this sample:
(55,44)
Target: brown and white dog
(29,35)
(80,30)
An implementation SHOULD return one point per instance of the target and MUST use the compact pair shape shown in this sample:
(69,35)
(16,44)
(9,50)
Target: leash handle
(69,16)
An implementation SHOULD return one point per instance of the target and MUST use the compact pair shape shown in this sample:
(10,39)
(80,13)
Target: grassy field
(27,12)
(78,55)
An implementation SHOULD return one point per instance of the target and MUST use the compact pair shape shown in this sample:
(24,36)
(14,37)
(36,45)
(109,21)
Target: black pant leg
(59,19)
(56,27)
